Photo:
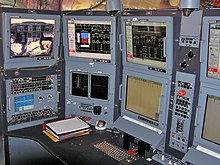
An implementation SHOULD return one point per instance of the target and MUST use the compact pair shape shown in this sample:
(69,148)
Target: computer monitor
(210,68)
(31,40)
(90,38)
(144,98)
(91,86)
(211,119)
(144,107)
(148,43)
(207,123)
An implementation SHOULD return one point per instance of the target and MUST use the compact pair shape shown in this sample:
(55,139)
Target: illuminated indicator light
(181,93)
(214,70)
(173,136)
(72,51)
(129,56)
(48,78)
(131,152)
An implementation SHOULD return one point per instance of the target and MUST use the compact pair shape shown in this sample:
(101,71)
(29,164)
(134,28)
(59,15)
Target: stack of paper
(66,129)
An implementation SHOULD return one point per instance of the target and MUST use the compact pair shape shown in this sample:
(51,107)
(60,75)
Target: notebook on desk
(66,129)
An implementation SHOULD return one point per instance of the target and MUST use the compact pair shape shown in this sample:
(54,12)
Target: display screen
(79,84)
(145,43)
(99,87)
(214,51)
(143,97)
(212,120)
(89,39)
(31,37)
(24,103)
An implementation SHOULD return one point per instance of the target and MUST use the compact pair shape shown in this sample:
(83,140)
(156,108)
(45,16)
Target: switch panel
(31,100)
(182,110)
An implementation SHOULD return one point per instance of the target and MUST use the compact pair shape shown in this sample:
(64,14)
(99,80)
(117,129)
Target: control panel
(189,41)
(31,99)
(182,110)
(166,159)
(90,91)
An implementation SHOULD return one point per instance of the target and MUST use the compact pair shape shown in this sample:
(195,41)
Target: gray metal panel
(182,110)
(45,103)
(205,50)
(113,40)
(136,130)
(29,61)
(190,36)
(186,24)
(163,109)
(197,157)
(168,46)
(73,103)
(200,117)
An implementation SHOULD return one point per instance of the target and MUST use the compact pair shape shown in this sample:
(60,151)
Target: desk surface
(78,150)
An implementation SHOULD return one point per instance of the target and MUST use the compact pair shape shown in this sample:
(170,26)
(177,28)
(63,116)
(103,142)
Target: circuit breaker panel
(31,99)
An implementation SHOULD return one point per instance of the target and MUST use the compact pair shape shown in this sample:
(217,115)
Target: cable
(14,3)
(210,3)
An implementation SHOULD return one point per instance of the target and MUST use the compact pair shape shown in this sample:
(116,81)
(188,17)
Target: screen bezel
(204,50)
(163,105)
(168,45)
(200,117)
(30,61)
(90,18)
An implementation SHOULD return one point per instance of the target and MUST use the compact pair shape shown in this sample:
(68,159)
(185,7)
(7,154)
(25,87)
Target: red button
(129,56)
(181,93)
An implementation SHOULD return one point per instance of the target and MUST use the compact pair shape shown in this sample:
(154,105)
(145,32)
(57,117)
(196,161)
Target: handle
(164,47)
(120,92)
(196,118)
(57,42)
(120,42)
(161,102)
(9,104)
(201,53)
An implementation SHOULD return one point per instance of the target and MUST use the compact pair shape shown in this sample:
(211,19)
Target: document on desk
(66,129)
(67,126)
